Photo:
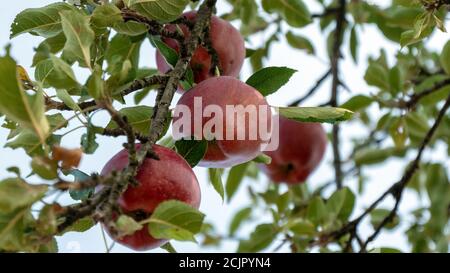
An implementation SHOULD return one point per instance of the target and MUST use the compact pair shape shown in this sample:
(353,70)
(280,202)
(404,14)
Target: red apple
(241,137)
(225,39)
(169,178)
(301,149)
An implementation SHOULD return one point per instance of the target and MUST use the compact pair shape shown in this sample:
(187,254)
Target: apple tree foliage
(403,116)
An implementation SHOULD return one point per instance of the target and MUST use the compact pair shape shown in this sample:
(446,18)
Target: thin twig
(312,90)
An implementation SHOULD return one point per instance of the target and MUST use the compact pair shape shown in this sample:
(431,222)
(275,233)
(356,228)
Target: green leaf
(234,179)
(215,176)
(56,73)
(79,36)
(193,151)
(423,26)
(47,223)
(82,194)
(378,215)
(340,204)
(260,239)
(168,247)
(445,58)
(268,80)
(126,225)
(169,54)
(357,103)
(28,141)
(82,225)
(161,10)
(241,216)
(120,49)
(294,12)
(17,105)
(302,227)
(300,42)
(315,114)
(317,211)
(13,230)
(354,44)
(17,194)
(248,11)
(65,97)
(106,15)
(130,28)
(262,158)
(88,140)
(44,167)
(95,83)
(43,21)
(377,75)
(175,220)
(370,156)
(51,45)
(139,117)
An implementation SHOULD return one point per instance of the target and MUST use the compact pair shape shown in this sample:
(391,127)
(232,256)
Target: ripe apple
(227,42)
(301,148)
(240,135)
(169,178)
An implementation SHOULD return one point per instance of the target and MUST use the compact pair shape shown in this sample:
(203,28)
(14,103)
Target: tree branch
(101,205)
(312,90)
(336,55)
(396,189)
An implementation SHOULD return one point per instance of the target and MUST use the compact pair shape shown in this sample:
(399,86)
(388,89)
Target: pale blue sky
(310,68)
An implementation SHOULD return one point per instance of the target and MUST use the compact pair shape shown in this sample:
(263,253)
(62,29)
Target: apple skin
(301,149)
(169,178)
(225,39)
(223,91)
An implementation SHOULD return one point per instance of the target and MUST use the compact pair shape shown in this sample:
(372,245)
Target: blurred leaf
(168,247)
(44,167)
(193,151)
(302,227)
(340,204)
(357,103)
(377,75)
(175,220)
(238,219)
(378,215)
(300,42)
(215,176)
(127,226)
(369,156)
(317,211)
(260,239)
(315,114)
(423,26)
(19,106)
(234,179)
(17,194)
(445,58)
(354,44)
(82,225)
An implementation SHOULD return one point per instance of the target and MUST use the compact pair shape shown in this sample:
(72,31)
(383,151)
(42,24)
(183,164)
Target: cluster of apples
(301,145)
